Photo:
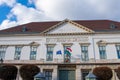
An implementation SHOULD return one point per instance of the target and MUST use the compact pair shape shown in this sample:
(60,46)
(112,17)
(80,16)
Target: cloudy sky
(16,12)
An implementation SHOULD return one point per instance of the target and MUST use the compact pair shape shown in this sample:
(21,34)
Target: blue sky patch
(4,10)
(26,3)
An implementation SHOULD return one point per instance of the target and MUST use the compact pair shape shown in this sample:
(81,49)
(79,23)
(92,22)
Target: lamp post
(39,76)
(90,76)
(1,62)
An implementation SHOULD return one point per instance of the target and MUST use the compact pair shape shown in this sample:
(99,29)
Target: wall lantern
(90,76)
(39,76)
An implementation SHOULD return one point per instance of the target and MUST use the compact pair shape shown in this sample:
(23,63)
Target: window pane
(84,54)
(49,56)
(48,75)
(102,51)
(33,52)
(118,51)
(2,51)
(17,52)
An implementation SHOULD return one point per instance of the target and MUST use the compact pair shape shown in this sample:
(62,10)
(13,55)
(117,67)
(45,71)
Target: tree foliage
(118,72)
(8,72)
(28,72)
(103,73)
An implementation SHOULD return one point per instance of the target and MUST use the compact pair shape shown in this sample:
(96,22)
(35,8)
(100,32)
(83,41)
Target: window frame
(50,50)
(49,72)
(84,52)
(33,48)
(17,54)
(3,49)
(118,51)
(102,51)
(66,57)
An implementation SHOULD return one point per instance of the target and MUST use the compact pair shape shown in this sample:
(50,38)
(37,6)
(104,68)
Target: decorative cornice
(85,44)
(50,44)
(64,34)
(67,44)
(34,44)
(30,44)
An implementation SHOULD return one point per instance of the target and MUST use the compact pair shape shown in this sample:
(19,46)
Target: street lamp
(1,61)
(90,76)
(39,76)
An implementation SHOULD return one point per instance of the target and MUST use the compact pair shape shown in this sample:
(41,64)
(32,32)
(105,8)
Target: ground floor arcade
(70,71)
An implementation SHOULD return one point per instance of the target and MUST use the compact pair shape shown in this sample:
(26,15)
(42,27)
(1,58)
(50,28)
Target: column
(18,74)
(55,73)
(78,73)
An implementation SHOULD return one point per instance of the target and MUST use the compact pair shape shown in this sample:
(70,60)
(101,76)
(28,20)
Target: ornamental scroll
(66,40)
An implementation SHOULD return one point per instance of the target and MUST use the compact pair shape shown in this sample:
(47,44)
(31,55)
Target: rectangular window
(17,52)
(49,56)
(67,56)
(102,51)
(84,54)
(33,52)
(48,74)
(118,51)
(2,51)
(84,72)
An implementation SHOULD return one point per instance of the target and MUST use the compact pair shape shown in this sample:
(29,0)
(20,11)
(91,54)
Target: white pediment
(67,27)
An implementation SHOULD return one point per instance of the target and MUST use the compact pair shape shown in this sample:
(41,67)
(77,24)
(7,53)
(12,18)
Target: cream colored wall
(111,39)
(93,50)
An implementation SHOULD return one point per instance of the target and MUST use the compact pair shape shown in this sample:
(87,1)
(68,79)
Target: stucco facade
(64,33)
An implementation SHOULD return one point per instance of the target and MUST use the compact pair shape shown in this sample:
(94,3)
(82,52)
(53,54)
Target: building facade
(65,50)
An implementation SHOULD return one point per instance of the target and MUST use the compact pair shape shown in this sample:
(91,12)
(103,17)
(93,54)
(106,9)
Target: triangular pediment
(68,26)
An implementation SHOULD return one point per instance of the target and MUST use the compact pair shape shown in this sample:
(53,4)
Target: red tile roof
(100,25)
(95,25)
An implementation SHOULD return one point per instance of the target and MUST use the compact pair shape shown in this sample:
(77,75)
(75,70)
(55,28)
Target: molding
(50,44)
(62,34)
(67,44)
(31,44)
(71,22)
(102,42)
(34,44)
(85,44)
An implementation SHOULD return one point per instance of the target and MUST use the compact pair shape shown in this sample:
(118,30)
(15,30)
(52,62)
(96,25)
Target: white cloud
(61,9)
(23,15)
(7,24)
(8,2)
(79,9)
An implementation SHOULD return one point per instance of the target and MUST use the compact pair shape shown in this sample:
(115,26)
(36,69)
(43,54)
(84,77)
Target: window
(118,51)
(2,51)
(49,56)
(84,72)
(102,51)
(48,74)
(17,52)
(84,54)
(67,57)
(33,52)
